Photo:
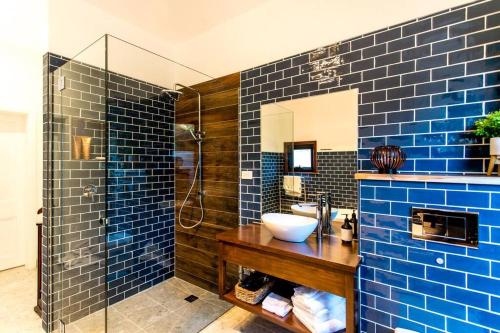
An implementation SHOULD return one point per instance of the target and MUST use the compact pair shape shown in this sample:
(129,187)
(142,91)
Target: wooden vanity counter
(330,267)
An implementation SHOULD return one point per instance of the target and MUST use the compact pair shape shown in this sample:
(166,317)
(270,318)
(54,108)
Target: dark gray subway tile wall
(335,175)
(141,212)
(140,184)
(272,181)
(422,84)
(46,193)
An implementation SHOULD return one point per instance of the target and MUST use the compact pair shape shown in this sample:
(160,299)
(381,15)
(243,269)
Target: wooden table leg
(493,158)
(350,299)
(222,271)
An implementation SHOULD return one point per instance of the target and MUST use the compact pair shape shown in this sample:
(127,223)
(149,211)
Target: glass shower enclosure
(109,201)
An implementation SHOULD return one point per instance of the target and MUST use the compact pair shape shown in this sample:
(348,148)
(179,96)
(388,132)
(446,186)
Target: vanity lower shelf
(290,322)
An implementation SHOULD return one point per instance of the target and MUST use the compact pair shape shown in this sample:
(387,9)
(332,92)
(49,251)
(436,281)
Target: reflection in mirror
(276,129)
(309,145)
(300,156)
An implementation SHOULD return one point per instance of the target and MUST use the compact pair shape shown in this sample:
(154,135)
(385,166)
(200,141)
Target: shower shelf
(94,130)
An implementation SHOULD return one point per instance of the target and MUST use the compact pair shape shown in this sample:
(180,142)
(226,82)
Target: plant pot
(387,159)
(495,146)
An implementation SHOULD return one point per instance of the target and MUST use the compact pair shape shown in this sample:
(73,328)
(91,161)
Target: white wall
(23,36)
(280,28)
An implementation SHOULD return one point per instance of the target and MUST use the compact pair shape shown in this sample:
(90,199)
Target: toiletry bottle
(354,220)
(346,230)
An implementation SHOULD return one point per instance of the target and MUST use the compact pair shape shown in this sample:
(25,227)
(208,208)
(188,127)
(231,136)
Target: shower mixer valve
(89,191)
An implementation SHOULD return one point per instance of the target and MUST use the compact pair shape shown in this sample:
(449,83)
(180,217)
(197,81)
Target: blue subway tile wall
(412,288)
(421,85)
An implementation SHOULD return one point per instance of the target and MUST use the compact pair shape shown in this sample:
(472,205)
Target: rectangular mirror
(309,145)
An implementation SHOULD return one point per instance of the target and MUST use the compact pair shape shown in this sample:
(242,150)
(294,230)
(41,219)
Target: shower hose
(200,196)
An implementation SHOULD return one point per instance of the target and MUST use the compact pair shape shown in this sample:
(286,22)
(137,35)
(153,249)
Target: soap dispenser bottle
(346,230)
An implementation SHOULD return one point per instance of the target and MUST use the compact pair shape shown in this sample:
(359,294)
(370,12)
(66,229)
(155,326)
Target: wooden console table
(330,267)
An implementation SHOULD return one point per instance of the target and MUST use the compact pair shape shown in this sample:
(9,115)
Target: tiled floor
(17,299)
(159,309)
(238,320)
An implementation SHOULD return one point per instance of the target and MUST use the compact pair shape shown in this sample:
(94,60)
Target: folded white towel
(305,292)
(332,325)
(276,300)
(277,304)
(320,316)
(279,311)
(316,302)
(292,185)
(322,313)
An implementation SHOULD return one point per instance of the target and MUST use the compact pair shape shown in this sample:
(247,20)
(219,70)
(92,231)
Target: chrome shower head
(186,127)
(172,93)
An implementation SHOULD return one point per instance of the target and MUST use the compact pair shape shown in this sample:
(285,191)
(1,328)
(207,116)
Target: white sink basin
(308,210)
(290,228)
(311,211)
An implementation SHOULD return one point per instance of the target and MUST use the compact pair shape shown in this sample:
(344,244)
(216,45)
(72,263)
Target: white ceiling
(175,20)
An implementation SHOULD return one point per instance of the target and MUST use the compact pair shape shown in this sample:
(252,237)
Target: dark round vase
(387,159)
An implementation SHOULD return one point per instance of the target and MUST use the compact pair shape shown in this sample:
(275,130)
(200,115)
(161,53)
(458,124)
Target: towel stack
(319,311)
(292,185)
(276,304)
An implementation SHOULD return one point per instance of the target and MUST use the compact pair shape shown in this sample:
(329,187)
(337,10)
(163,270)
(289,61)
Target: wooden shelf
(455,179)
(290,321)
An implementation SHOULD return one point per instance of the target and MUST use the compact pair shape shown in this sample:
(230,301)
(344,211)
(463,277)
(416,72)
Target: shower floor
(161,308)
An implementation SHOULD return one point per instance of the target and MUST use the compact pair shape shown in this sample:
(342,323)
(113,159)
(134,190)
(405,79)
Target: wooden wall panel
(196,249)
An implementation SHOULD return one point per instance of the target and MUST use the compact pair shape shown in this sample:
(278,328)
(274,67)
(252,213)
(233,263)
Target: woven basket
(252,297)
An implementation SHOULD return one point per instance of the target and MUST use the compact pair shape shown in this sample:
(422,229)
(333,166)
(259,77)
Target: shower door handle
(103,221)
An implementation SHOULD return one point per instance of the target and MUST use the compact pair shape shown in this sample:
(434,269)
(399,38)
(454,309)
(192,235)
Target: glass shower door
(77,154)
(110,200)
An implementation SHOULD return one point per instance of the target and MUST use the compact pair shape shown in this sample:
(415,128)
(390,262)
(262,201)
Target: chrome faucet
(324,213)
(319,213)
(327,218)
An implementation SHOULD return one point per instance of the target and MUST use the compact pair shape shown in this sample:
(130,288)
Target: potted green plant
(489,127)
